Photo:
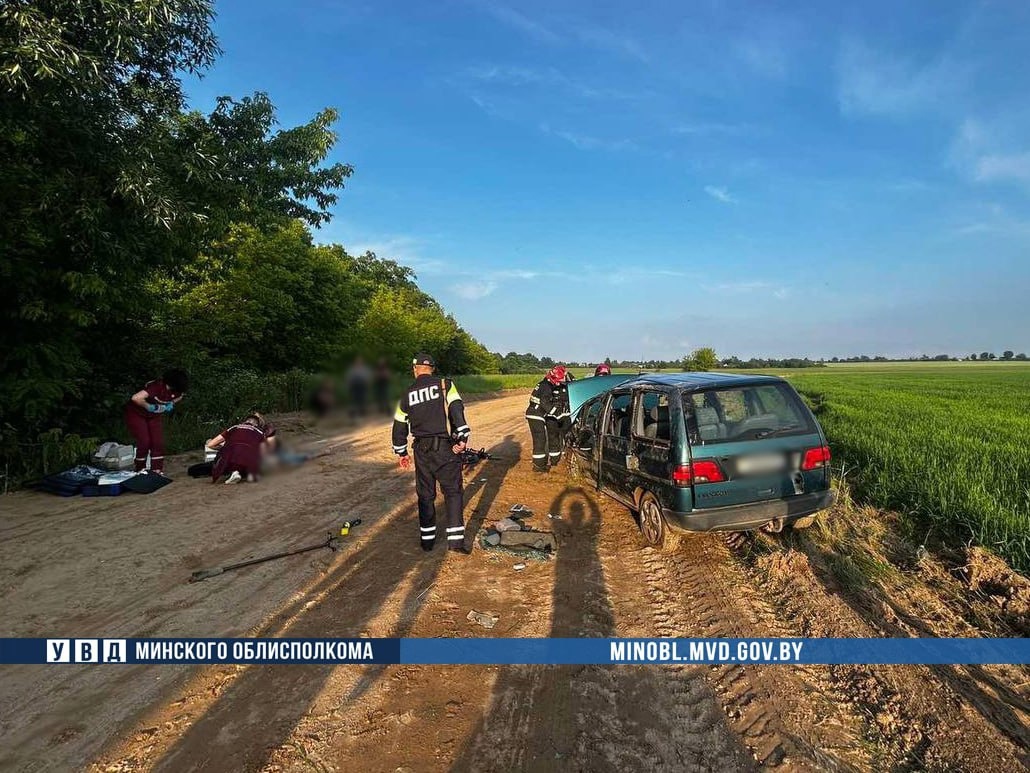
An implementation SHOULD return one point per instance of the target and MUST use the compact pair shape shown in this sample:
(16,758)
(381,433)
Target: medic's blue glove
(153,408)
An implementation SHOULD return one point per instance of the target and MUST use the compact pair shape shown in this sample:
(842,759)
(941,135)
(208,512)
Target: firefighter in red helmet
(547,410)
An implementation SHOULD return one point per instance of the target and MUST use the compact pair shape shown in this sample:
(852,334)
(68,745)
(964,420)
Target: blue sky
(584,179)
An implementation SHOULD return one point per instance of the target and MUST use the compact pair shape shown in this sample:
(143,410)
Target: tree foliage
(136,233)
(702,359)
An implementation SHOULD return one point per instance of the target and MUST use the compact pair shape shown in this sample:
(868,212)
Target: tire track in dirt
(922,717)
(783,714)
(690,598)
(597,717)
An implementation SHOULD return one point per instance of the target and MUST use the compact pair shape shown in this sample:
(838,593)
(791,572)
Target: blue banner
(459,651)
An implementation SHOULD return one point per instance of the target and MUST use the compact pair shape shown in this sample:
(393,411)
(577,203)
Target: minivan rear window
(745,413)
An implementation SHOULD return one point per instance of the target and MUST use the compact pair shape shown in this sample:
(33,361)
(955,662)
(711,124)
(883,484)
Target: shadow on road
(259,709)
(598,718)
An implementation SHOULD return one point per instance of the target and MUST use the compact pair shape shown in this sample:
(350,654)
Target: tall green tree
(107,184)
(701,359)
(279,302)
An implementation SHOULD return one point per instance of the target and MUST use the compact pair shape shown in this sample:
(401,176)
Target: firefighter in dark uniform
(432,411)
(548,407)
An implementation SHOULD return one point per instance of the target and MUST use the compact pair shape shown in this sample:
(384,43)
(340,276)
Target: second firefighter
(548,414)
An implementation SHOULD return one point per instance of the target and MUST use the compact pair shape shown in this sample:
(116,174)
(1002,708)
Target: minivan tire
(656,531)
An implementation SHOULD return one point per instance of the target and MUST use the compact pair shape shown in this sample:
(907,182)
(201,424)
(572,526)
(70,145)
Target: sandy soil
(119,567)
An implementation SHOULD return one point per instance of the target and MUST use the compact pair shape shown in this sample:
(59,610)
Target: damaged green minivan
(701,451)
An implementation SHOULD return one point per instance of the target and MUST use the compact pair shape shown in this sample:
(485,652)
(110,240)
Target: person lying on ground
(143,417)
(241,449)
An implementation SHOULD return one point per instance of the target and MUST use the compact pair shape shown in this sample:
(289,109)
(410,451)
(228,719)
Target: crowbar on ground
(332,541)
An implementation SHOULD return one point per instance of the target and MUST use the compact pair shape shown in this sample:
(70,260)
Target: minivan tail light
(816,457)
(702,471)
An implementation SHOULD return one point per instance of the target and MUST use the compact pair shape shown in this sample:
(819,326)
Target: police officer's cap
(424,358)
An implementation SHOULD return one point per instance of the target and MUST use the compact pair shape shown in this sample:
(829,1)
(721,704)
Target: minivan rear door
(751,443)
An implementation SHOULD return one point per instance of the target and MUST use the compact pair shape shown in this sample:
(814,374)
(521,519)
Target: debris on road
(519,567)
(508,524)
(485,619)
(538,540)
(521,510)
(554,517)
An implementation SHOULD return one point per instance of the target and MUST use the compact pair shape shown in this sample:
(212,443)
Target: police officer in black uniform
(432,411)
(548,408)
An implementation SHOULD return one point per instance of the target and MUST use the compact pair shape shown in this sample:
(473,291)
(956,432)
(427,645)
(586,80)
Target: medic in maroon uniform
(143,417)
(241,448)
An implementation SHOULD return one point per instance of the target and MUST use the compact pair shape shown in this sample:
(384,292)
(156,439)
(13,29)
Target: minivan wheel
(656,532)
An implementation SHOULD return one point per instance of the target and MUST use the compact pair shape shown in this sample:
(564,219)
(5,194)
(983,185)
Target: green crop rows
(947,444)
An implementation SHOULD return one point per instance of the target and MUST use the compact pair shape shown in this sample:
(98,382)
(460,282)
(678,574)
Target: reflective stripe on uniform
(427,528)
(539,456)
(534,418)
(452,394)
(455,528)
(463,428)
(452,537)
(400,449)
(400,415)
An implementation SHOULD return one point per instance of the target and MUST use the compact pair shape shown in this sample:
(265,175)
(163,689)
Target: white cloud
(997,166)
(406,250)
(749,286)
(588,142)
(515,76)
(519,21)
(474,291)
(606,40)
(985,155)
(720,194)
(516,273)
(765,56)
(704,128)
(875,83)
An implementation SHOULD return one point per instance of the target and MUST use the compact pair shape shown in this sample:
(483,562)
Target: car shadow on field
(876,606)
(259,710)
(556,718)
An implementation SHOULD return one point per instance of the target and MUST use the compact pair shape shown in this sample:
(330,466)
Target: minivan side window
(745,413)
(651,418)
(619,418)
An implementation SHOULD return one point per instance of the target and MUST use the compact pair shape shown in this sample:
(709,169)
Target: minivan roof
(693,381)
(584,389)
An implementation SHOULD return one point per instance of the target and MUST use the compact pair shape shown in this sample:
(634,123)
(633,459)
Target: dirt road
(118,568)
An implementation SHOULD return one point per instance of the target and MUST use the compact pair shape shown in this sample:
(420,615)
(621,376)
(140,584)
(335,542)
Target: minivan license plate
(761,464)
